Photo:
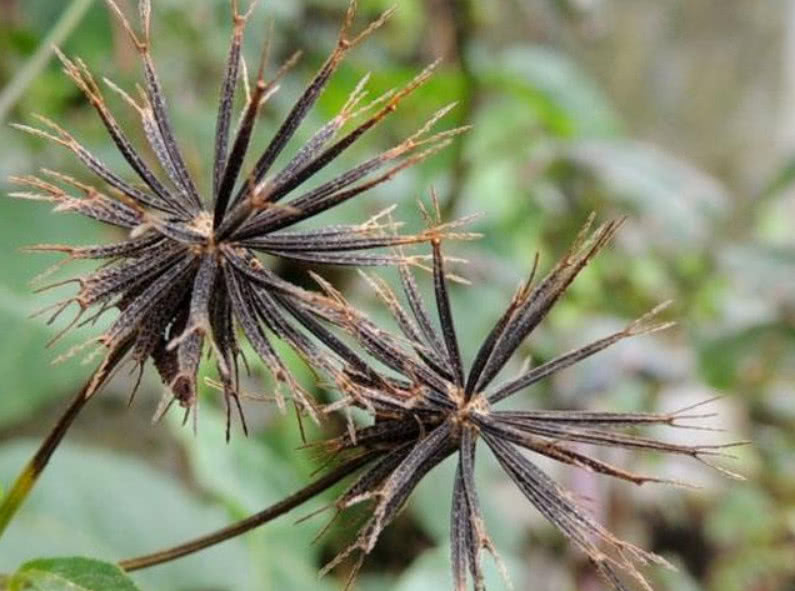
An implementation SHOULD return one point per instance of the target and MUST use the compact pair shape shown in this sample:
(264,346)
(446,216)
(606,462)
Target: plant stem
(24,483)
(252,522)
(68,20)
(27,478)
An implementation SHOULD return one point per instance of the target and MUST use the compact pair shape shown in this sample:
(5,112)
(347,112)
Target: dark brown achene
(428,407)
(188,274)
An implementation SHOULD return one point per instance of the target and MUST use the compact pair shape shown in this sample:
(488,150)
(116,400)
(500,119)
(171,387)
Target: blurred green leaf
(677,579)
(754,567)
(72,14)
(29,377)
(762,270)
(100,504)
(70,574)
(730,519)
(677,203)
(249,475)
(431,572)
(245,473)
(782,179)
(745,353)
(553,86)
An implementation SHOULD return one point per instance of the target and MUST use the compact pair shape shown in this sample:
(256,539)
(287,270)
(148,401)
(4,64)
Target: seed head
(429,408)
(188,273)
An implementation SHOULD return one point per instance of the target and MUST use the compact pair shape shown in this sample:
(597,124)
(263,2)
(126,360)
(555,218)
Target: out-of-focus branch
(460,13)
(67,22)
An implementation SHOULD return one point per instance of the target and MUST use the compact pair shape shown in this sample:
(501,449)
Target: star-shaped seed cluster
(188,273)
(428,407)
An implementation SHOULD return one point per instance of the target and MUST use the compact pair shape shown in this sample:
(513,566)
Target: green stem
(285,505)
(67,22)
(24,483)
(27,478)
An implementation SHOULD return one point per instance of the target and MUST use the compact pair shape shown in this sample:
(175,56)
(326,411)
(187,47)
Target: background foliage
(676,114)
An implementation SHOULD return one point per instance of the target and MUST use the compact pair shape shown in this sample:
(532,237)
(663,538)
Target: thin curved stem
(276,510)
(30,474)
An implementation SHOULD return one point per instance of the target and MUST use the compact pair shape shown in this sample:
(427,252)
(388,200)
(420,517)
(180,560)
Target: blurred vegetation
(576,106)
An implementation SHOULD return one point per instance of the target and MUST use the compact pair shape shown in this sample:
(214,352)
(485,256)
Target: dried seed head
(434,409)
(188,275)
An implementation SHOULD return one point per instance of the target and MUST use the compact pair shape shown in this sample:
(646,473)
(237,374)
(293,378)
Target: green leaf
(679,203)
(30,380)
(758,270)
(245,474)
(71,574)
(248,475)
(431,571)
(729,521)
(566,99)
(725,359)
(108,506)
(782,179)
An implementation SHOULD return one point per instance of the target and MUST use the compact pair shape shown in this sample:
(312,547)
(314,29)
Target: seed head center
(203,224)
(476,404)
